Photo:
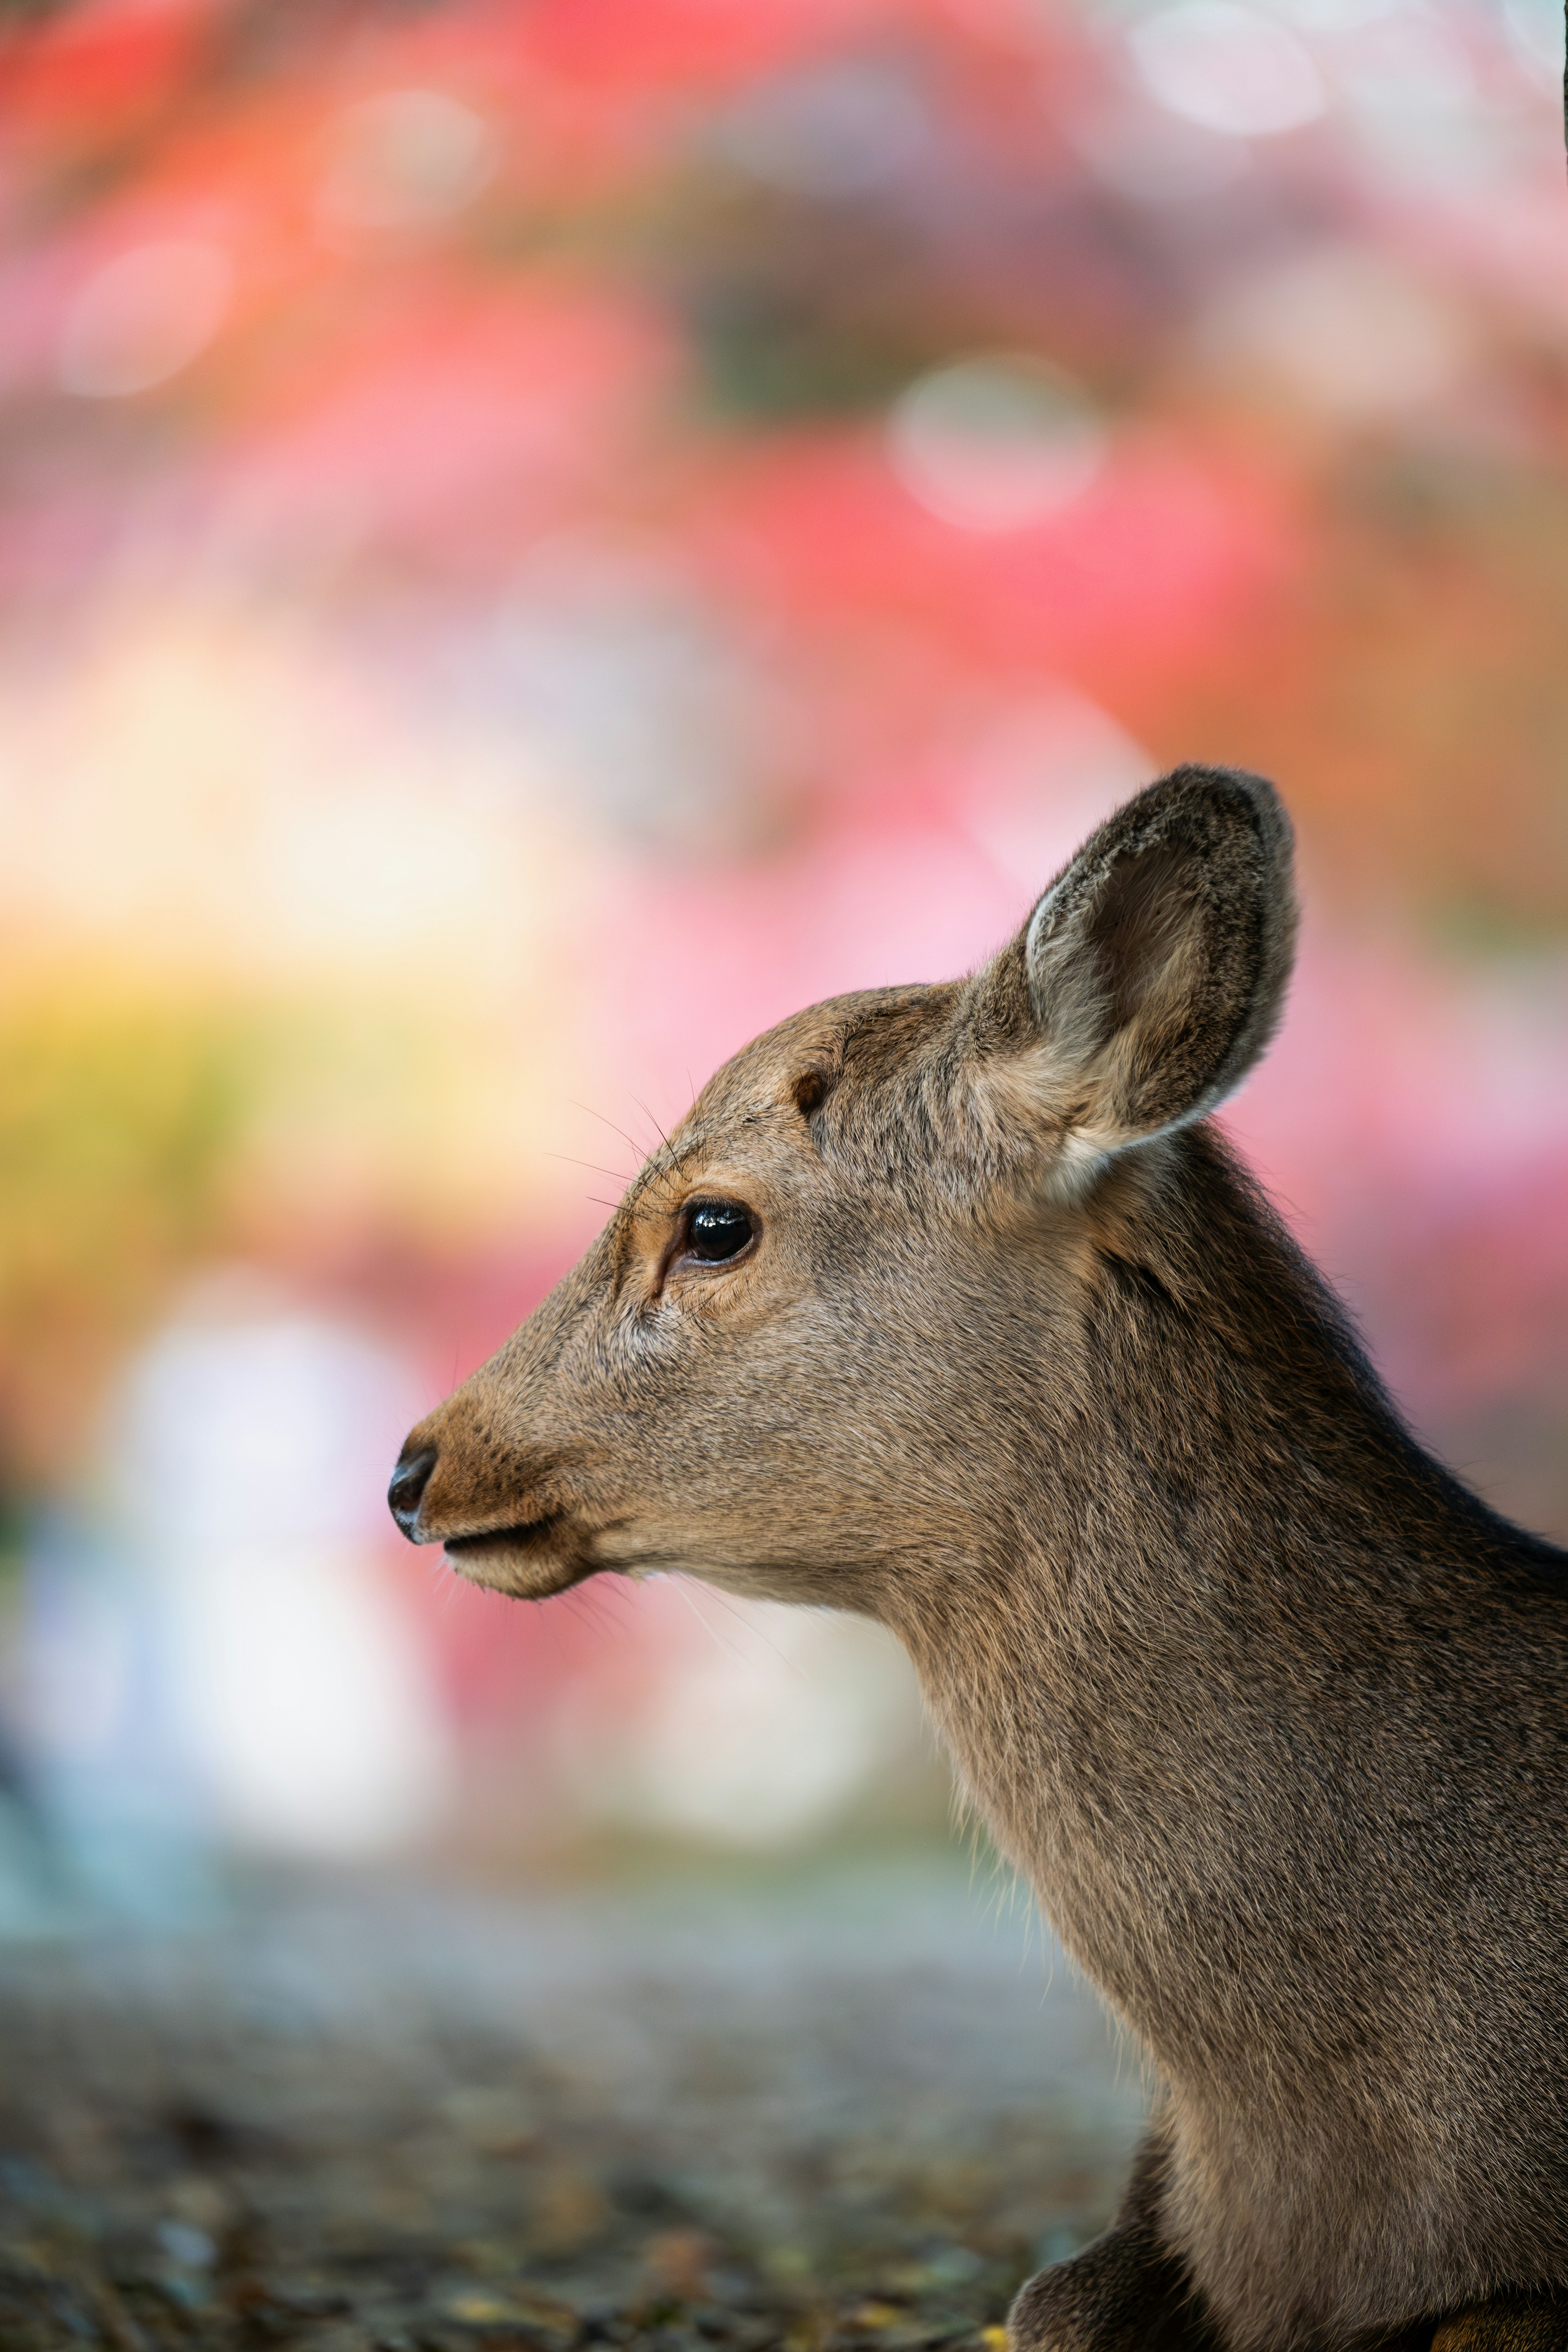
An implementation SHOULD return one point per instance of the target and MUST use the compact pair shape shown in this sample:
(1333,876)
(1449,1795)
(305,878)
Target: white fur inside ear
(1082,1154)
(1031,1112)
(1039,924)
(1071,1002)
(1078,1077)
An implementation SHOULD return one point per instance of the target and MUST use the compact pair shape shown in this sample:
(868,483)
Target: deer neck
(1153,1670)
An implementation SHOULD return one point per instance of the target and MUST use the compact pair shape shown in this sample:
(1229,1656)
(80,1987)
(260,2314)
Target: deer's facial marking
(810,1091)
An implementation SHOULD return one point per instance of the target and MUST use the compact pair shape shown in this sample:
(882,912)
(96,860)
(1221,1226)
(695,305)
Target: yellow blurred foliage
(119,1109)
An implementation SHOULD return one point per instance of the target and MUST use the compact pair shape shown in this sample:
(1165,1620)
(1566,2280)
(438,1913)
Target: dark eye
(716,1230)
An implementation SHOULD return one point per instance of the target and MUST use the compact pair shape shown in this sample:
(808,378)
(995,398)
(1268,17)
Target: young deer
(947,1306)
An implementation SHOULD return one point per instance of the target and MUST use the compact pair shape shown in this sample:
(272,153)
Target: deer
(950,1305)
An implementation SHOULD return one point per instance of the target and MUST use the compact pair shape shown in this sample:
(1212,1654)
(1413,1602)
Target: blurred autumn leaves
(520,531)
(118,1114)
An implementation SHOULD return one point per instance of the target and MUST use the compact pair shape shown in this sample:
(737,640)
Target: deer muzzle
(501,1524)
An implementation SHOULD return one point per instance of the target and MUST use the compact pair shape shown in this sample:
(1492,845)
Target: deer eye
(717,1229)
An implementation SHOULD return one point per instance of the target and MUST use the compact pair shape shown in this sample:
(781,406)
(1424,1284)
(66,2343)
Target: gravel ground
(845,2107)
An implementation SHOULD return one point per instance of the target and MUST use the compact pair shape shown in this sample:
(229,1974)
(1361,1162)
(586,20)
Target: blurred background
(535,539)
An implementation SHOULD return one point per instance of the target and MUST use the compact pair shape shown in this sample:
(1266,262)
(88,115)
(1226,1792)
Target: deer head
(831,1335)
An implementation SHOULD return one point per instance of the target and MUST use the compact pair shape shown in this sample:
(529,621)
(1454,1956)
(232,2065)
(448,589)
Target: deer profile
(948,1304)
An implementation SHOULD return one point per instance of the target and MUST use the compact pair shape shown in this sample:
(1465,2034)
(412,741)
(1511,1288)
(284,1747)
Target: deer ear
(1156,964)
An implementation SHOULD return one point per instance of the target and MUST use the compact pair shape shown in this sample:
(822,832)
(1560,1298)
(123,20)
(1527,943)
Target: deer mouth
(523,1532)
(531,1558)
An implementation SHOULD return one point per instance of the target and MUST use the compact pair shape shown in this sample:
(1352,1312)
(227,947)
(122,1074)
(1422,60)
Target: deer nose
(409,1481)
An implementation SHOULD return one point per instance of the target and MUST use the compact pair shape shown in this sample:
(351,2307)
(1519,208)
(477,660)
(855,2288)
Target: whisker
(654,1123)
(594,1164)
(630,1141)
(736,1656)
(727,1601)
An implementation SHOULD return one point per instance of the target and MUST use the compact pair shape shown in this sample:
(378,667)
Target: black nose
(409,1481)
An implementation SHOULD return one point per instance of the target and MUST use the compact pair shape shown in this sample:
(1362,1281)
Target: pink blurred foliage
(1148,565)
(452,427)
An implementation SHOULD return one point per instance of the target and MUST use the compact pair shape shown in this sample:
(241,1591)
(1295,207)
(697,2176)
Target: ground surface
(851,2109)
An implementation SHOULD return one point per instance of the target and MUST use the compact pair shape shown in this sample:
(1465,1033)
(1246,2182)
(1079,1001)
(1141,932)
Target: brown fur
(1270,1710)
